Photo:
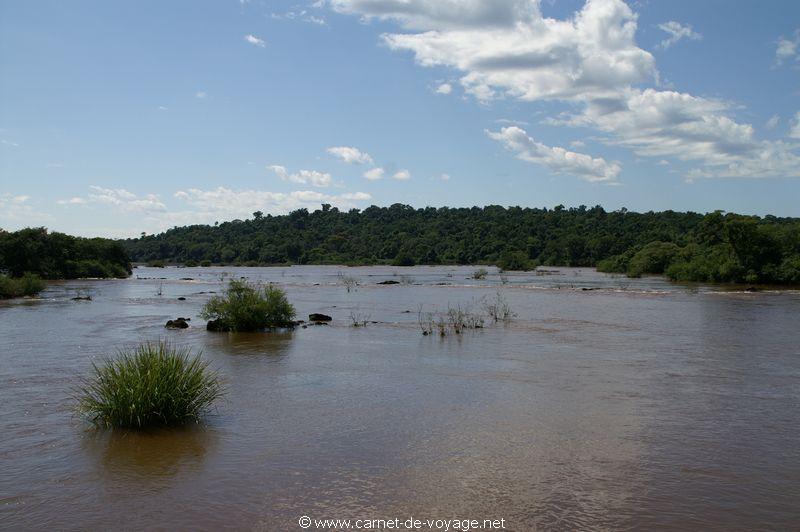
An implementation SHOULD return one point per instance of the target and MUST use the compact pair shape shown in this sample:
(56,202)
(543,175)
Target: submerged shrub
(150,385)
(27,285)
(248,307)
(480,273)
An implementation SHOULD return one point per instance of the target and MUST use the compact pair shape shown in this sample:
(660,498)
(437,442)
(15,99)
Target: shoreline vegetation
(716,247)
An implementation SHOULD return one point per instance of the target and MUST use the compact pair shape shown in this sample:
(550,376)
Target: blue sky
(118,118)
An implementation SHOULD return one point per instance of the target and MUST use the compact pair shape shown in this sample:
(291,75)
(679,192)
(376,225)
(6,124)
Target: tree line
(59,256)
(686,246)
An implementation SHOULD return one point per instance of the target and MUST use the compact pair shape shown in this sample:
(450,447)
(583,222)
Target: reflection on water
(274,345)
(148,455)
(607,403)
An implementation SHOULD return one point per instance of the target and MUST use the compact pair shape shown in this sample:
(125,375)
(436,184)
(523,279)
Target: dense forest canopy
(60,256)
(685,246)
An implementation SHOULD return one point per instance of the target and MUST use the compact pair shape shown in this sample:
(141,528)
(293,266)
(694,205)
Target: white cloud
(677,31)
(350,154)
(15,209)
(787,49)
(201,95)
(255,41)
(119,198)
(577,144)
(9,143)
(402,175)
(445,177)
(301,15)
(312,177)
(557,159)
(511,122)
(507,48)
(374,174)
(444,88)
(223,203)
(794,131)
(162,108)
(663,162)
(772,122)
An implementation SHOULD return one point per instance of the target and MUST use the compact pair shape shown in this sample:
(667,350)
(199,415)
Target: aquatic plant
(480,273)
(27,285)
(153,384)
(358,318)
(498,308)
(248,307)
(350,283)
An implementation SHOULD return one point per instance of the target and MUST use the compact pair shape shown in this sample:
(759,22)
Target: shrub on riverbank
(27,285)
(154,384)
(248,307)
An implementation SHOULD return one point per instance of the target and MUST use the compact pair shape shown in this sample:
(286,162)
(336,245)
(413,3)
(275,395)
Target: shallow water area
(605,403)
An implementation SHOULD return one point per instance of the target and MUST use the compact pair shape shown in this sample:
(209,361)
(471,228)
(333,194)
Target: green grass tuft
(153,384)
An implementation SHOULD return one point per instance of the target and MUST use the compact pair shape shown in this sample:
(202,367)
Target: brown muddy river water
(638,404)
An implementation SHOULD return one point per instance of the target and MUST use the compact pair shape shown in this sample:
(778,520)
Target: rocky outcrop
(319,317)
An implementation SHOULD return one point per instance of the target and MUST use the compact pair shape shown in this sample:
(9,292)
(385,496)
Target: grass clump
(27,285)
(153,384)
(248,307)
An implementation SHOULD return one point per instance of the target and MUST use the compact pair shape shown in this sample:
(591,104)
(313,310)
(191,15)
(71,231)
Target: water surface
(606,403)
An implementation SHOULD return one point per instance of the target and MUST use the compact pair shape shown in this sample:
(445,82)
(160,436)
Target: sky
(118,118)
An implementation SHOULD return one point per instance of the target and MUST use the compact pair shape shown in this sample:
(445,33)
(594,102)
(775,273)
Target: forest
(52,255)
(684,246)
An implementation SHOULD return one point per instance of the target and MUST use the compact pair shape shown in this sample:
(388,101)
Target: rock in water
(319,317)
(177,323)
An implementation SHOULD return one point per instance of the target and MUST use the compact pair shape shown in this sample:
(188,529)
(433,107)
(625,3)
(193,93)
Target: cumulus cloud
(255,41)
(374,174)
(557,159)
(200,95)
(350,155)
(119,198)
(787,49)
(402,175)
(676,32)
(506,48)
(312,177)
(445,177)
(444,88)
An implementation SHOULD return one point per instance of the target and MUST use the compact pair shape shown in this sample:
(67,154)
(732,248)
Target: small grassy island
(248,307)
(154,384)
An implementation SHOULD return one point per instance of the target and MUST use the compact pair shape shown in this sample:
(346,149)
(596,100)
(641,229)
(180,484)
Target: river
(606,403)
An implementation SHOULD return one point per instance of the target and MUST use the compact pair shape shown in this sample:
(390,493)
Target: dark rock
(187,278)
(82,298)
(305,326)
(319,323)
(181,298)
(389,282)
(319,317)
(215,326)
(752,289)
(177,323)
